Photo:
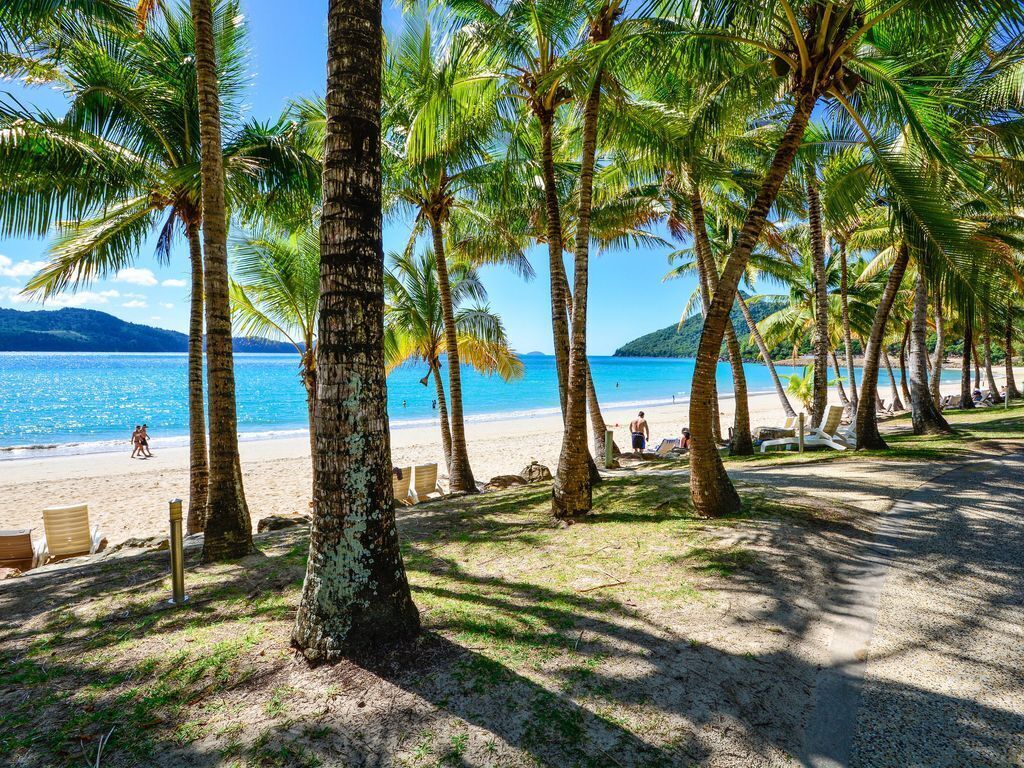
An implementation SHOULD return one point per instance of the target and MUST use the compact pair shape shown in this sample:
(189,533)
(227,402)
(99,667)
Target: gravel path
(927,661)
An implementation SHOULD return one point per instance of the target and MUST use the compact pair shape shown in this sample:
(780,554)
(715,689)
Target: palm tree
(414,325)
(228,526)
(356,595)
(819,48)
(123,162)
(275,294)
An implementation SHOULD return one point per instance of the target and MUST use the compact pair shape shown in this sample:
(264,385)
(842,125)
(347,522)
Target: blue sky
(627,297)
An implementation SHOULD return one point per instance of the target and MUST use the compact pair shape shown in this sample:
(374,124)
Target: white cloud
(136,276)
(134,304)
(80,299)
(172,283)
(166,305)
(22,269)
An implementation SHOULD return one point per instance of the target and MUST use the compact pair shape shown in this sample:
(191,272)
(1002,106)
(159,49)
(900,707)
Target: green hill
(86,330)
(682,342)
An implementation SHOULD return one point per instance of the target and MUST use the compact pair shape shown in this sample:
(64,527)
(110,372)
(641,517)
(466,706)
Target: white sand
(128,497)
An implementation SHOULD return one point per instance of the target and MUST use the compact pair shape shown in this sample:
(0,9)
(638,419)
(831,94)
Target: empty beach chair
(666,447)
(424,482)
(68,533)
(401,485)
(18,551)
(821,436)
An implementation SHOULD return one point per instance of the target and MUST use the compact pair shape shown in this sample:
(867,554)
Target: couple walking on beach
(140,442)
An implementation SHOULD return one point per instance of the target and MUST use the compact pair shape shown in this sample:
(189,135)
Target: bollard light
(177,551)
(609,442)
(801,424)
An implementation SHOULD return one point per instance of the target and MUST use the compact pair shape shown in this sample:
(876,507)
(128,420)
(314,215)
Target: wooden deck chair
(424,482)
(401,486)
(68,533)
(18,551)
(824,435)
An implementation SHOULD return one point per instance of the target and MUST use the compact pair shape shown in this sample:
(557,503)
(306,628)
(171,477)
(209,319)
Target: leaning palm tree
(355,595)
(123,163)
(275,294)
(414,326)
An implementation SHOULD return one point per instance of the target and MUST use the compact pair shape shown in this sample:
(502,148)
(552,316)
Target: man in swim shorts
(641,434)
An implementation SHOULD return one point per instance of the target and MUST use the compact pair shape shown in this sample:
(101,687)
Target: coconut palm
(355,595)
(123,163)
(275,294)
(414,325)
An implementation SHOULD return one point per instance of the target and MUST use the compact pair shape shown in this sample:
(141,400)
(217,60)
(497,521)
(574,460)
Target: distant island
(87,330)
(682,342)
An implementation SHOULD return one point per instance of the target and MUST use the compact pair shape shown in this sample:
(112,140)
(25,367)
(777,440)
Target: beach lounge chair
(424,482)
(665,448)
(18,551)
(401,486)
(824,435)
(68,533)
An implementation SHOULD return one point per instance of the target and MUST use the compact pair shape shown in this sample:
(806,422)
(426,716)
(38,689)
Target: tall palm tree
(414,325)
(123,163)
(228,526)
(275,294)
(355,595)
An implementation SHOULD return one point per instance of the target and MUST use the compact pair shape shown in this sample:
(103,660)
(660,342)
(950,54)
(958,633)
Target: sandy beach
(128,497)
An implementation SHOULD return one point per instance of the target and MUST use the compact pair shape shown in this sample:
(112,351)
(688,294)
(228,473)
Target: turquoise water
(85,402)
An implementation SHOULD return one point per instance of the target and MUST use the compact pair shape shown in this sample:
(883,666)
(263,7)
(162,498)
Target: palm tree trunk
(460,474)
(705,297)
(868,436)
(844,302)
(986,342)
(442,412)
(1011,384)
(926,417)
(977,365)
(228,526)
(742,444)
(355,596)
(309,382)
(903,362)
(897,404)
(198,469)
(711,490)
(571,489)
(556,267)
(820,340)
(597,425)
(840,389)
(935,383)
(766,355)
(966,399)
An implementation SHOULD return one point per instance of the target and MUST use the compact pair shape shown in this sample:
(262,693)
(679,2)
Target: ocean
(62,403)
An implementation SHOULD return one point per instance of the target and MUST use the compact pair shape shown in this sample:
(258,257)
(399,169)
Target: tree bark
(868,436)
(742,443)
(820,342)
(442,412)
(309,382)
(597,425)
(903,362)
(897,404)
(228,526)
(935,383)
(966,395)
(986,342)
(766,355)
(355,597)
(198,469)
(844,304)
(840,389)
(977,364)
(571,494)
(926,417)
(460,474)
(711,490)
(1011,384)
(556,267)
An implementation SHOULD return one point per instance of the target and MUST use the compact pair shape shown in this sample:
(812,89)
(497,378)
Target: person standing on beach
(136,440)
(144,441)
(640,432)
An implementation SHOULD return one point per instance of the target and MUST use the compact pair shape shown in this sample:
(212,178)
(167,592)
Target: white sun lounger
(825,435)
(68,533)
(401,485)
(424,482)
